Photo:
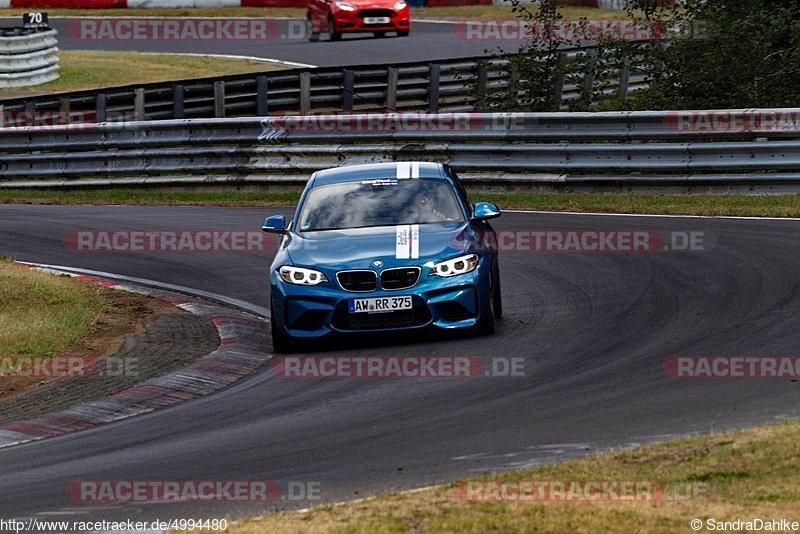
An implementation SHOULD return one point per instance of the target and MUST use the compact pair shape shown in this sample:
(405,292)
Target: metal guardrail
(436,86)
(27,57)
(595,150)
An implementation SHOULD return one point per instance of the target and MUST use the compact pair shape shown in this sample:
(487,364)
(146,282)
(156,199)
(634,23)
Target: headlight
(345,6)
(301,276)
(400,5)
(456,266)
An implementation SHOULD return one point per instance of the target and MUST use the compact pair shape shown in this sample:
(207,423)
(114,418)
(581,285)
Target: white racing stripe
(407,242)
(407,169)
(403,170)
(414,241)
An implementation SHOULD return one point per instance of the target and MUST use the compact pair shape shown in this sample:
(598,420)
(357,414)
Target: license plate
(380,305)
(376,20)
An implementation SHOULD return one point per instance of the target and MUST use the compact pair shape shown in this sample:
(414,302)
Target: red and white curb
(244,347)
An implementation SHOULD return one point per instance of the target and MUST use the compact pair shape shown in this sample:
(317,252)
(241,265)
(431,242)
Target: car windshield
(381,202)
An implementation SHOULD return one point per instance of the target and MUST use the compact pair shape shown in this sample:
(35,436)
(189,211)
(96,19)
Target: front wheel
(486,324)
(498,298)
(312,35)
(335,36)
(281,343)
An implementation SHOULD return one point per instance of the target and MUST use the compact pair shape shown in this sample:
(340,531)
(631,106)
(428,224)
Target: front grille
(401,278)
(361,281)
(375,13)
(417,316)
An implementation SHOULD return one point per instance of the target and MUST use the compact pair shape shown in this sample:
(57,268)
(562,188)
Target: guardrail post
(63,106)
(588,79)
(392,82)
(558,89)
(305,92)
(482,79)
(177,101)
(513,86)
(624,77)
(138,104)
(100,107)
(262,91)
(219,100)
(348,85)
(435,72)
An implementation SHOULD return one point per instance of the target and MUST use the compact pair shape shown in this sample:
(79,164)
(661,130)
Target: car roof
(374,171)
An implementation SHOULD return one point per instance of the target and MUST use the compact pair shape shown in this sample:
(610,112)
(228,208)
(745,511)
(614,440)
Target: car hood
(358,248)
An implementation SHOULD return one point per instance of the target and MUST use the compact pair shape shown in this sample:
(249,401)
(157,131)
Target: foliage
(703,54)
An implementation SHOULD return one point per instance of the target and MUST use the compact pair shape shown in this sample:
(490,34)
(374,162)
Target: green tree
(705,54)
(728,54)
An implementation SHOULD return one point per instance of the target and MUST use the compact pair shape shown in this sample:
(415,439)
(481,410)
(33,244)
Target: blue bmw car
(382,248)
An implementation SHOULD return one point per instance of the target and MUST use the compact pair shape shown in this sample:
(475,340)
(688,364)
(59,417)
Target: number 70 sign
(34,20)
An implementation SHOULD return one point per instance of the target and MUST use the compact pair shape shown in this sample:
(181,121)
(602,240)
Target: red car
(358,16)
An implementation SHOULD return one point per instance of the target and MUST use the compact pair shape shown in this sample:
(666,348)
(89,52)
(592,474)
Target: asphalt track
(594,329)
(286,41)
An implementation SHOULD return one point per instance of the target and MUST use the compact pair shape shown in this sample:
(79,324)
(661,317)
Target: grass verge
(136,197)
(734,205)
(459,12)
(55,320)
(747,474)
(42,314)
(85,69)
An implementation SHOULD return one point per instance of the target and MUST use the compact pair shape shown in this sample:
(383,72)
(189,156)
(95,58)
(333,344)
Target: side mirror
(484,211)
(275,224)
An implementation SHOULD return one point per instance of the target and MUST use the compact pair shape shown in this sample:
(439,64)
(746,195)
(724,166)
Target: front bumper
(353,21)
(439,303)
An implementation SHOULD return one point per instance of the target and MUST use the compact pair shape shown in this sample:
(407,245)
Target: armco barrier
(27,57)
(627,150)
(436,86)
